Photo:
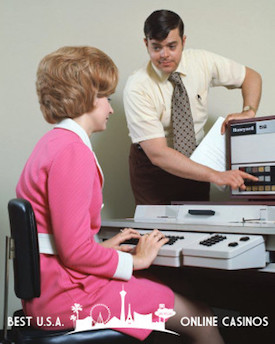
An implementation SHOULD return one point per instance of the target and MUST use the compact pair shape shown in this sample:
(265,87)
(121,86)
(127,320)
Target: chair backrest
(26,263)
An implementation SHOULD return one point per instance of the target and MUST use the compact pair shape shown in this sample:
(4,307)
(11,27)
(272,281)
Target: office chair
(23,248)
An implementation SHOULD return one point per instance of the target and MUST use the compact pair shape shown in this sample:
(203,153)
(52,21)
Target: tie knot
(175,78)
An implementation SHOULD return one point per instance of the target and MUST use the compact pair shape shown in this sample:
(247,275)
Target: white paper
(211,151)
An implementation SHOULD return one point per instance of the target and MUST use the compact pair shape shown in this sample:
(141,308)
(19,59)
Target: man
(159,165)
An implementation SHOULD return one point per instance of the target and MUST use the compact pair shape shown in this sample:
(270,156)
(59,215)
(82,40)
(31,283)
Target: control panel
(250,148)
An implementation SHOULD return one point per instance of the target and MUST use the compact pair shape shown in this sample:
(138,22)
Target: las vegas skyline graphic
(100,317)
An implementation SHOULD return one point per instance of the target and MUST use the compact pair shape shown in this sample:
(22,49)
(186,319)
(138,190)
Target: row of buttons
(265,175)
(213,240)
(218,238)
(260,188)
(256,169)
(172,240)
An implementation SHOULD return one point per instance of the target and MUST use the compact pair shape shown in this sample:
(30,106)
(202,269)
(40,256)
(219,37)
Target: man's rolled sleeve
(226,72)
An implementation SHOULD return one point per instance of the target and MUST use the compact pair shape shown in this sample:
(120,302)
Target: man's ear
(183,40)
(145,42)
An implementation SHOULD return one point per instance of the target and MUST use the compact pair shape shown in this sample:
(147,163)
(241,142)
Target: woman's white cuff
(124,268)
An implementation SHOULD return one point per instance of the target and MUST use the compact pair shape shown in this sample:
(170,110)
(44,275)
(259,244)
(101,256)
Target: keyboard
(169,254)
(172,240)
(219,251)
(226,251)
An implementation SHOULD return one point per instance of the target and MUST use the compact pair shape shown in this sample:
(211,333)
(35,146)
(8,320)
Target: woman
(63,182)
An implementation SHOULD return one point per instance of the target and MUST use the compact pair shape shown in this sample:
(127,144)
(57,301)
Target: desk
(249,292)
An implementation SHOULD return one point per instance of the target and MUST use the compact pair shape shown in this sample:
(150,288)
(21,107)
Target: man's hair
(160,23)
(69,80)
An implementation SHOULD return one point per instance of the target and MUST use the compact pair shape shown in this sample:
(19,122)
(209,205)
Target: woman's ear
(95,101)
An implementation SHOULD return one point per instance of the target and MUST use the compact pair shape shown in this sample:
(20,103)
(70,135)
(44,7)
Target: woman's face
(100,114)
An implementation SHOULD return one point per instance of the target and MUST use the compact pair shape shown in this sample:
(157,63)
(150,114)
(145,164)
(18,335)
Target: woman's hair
(69,80)
(160,23)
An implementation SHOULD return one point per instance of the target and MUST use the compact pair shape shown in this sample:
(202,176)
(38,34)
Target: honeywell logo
(243,130)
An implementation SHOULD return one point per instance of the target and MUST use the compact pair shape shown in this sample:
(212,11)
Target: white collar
(71,125)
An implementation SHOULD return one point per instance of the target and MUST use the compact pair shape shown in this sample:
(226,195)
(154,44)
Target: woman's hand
(147,249)
(233,178)
(125,234)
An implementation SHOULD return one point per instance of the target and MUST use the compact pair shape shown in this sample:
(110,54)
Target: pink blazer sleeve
(75,200)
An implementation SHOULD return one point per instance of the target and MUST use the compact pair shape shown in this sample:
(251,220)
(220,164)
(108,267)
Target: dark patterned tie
(183,126)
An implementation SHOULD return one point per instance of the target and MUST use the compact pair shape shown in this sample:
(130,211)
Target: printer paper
(211,151)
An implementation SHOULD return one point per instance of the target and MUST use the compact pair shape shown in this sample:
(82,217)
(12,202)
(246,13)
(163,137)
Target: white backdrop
(29,29)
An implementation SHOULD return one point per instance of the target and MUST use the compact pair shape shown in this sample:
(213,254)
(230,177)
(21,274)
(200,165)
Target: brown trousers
(153,185)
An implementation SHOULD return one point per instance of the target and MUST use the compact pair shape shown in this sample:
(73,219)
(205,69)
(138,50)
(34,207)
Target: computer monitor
(251,148)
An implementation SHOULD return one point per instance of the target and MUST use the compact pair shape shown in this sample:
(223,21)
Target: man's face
(166,54)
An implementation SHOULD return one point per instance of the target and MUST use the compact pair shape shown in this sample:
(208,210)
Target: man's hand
(251,92)
(233,178)
(241,115)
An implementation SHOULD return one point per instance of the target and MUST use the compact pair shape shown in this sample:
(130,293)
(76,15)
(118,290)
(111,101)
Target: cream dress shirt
(148,93)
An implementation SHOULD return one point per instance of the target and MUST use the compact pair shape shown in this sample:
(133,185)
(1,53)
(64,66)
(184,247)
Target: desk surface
(246,228)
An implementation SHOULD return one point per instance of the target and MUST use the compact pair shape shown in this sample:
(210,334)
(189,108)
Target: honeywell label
(243,129)
(257,127)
